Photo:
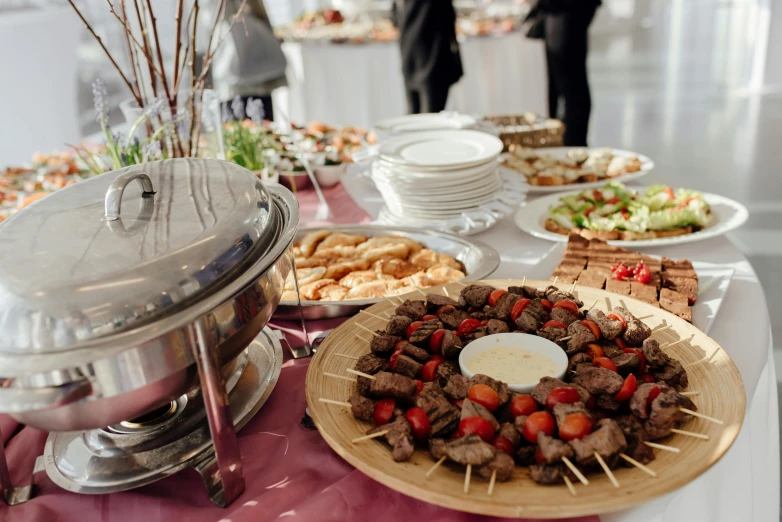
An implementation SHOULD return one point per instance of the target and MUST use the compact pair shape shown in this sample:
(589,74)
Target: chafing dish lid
(77,266)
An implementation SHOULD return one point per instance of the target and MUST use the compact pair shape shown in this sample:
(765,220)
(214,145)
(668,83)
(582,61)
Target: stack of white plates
(439,175)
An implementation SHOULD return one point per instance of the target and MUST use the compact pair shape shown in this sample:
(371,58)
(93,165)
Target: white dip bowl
(531,343)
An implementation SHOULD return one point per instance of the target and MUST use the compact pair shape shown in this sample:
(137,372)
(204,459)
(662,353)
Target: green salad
(616,207)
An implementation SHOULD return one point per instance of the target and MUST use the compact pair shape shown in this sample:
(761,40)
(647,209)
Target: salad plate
(712,215)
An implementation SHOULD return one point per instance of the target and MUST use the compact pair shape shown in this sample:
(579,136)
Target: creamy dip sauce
(513,365)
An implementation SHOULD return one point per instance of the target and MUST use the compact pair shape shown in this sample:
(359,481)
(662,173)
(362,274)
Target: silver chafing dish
(115,303)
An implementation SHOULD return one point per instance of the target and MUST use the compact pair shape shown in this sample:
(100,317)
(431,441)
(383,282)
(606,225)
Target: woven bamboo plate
(711,373)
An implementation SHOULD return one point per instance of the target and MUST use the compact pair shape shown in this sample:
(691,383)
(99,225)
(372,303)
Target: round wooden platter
(711,373)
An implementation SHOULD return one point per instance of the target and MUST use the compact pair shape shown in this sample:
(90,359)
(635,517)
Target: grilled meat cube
(392,385)
(363,386)
(672,374)
(425,331)
(597,380)
(608,441)
(639,402)
(549,473)
(552,333)
(607,403)
(535,308)
(473,409)
(399,437)
(397,325)
(500,387)
(665,414)
(477,314)
(434,301)
(554,294)
(609,328)
(361,407)
(564,315)
(580,336)
(612,350)
(453,318)
(635,435)
(384,344)
(552,450)
(470,450)
(501,310)
(457,388)
(415,310)
(398,413)
(495,326)
(579,358)
(627,363)
(443,416)
(530,292)
(624,312)
(518,424)
(371,364)
(419,354)
(562,410)
(451,346)
(501,466)
(508,431)
(637,332)
(445,371)
(525,455)
(407,366)
(546,384)
(655,357)
(527,322)
(475,295)
(437,448)
(479,332)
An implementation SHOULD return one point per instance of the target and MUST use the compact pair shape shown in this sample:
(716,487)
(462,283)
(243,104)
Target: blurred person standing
(564,25)
(430,53)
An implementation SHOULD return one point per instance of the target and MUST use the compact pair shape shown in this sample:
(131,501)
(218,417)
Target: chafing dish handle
(113,199)
(18,400)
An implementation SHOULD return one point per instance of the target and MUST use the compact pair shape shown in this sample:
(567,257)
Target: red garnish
(604,362)
(628,388)
(554,324)
(468,325)
(518,308)
(495,296)
(547,305)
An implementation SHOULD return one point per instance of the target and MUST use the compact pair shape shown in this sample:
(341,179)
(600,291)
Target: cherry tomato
(419,422)
(413,327)
(604,362)
(643,276)
(468,325)
(617,317)
(613,201)
(595,350)
(547,305)
(575,426)
(564,395)
(640,355)
(384,410)
(484,322)
(400,345)
(428,317)
(669,192)
(458,403)
(538,421)
(444,308)
(648,377)
(429,371)
(477,425)
(503,444)
(539,456)
(436,340)
(569,305)
(518,307)
(653,394)
(592,326)
(691,301)
(523,405)
(628,389)
(495,296)
(625,213)
(419,387)
(591,402)
(620,343)
(393,360)
(597,195)
(589,211)
(485,396)
(554,324)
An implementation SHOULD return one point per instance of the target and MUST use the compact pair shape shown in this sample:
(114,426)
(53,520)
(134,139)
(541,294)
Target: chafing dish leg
(226,474)
(20,494)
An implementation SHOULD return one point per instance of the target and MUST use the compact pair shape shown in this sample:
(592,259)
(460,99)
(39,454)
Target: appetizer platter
(642,404)
(554,169)
(653,216)
(337,276)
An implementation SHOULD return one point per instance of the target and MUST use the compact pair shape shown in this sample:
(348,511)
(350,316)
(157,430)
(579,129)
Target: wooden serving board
(712,374)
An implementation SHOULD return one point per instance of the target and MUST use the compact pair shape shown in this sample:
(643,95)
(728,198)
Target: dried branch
(211,50)
(142,26)
(178,43)
(129,33)
(131,55)
(157,50)
(185,62)
(192,138)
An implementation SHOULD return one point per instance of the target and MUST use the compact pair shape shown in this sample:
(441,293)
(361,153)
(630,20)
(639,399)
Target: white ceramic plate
(647,165)
(444,149)
(425,122)
(727,215)
(713,283)
(410,174)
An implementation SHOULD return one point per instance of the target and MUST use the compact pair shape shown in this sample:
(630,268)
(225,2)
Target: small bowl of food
(515,358)
(330,173)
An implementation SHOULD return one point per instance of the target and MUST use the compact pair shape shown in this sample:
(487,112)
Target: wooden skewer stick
(445,291)
(460,283)
(593,305)
(391,301)
(329,374)
(662,447)
(566,338)
(689,393)
(644,317)
(362,374)
(701,415)
(492,481)
(638,465)
(467,478)
(388,316)
(420,291)
(346,356)
(569,485)
(338,403)
(674,343)
(367,329)
(696,362)
(661,327)
(371,314)
(524,281)
(621,302)
(370,436)
(573,287)
(575,471)
(555,281)
(605,467)
(363,339)
(436,465)
(691,434)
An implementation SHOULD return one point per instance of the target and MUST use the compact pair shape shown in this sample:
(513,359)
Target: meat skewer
(690,434)
(701,415)
(580,476)
(328,374)
(605,467)
(569,485)
(662,447)
(374,334)
(638,465)
(338,403)
(370,436)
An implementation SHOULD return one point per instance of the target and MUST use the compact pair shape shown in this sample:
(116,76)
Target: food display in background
(620,393)
(615,212)
(672,285)
(581,165)
(335,266)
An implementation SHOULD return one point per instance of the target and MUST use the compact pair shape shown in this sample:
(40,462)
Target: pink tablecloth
(290,471)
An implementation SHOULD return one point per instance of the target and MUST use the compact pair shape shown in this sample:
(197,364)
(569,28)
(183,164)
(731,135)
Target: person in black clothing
(566,23)
(430,54)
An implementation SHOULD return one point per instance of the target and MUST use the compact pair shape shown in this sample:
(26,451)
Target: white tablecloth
(344,84)
(744,485)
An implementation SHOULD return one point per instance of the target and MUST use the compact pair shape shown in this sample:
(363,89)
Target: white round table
(744,484)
